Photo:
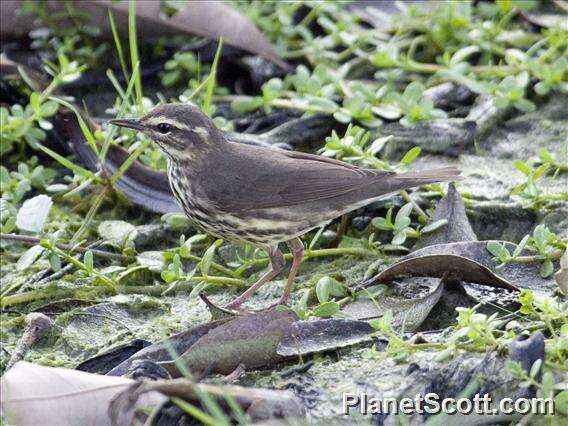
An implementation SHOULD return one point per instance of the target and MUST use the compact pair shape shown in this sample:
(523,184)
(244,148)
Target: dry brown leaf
(35,395)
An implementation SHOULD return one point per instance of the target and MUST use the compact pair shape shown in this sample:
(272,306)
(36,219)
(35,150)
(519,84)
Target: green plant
(14,185)
(400,226)
(544,246)
(530,189)
(28,123)
(79,41)
(184,66)
(414,105)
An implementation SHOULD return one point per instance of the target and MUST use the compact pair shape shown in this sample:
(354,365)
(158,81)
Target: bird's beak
(131,123)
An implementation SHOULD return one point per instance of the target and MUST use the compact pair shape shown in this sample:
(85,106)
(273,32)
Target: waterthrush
(258,195)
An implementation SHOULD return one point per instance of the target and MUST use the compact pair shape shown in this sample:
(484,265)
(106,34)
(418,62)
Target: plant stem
(406,197)
(555,255)
(99,291)
(348,251)
(214,265)
(29,240)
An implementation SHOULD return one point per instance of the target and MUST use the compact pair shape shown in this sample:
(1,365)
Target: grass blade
(212,80)
(90,138)
(69,164)
(124,104)
(128,162)
(118,45)
(134,57)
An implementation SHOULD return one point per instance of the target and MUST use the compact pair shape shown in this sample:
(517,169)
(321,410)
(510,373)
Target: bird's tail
(424,177)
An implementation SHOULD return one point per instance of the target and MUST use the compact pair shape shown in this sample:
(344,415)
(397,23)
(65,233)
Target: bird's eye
(164,128)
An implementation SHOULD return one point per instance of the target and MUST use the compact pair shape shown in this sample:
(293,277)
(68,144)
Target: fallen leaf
(208,19)
(158,352)
(520,275)
(117,232)
(32,215)
(29,257)
(561,275)
(153,260)
(250,340)
(457,228)
(103,363)
(436,265)
(546,20)
(408,314)
(468,261)
(322,335)
(31,393)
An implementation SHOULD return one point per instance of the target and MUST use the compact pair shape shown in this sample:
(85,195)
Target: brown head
(179,129)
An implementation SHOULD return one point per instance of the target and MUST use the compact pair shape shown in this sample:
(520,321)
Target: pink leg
(277,263)
(297,249)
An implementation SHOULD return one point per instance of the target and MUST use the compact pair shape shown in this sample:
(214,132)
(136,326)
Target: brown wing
(263,178)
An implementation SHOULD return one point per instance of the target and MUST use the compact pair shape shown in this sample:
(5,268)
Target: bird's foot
(283,301)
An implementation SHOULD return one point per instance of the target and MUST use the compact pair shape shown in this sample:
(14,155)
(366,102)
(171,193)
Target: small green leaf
(535,368)
(323,288)
(539,234)
(434,225)
(547,268)
(399,238)
(55,262)
(523,167)
(207,258)
(88,261)
(326,310)
(495,248)
(521,246)
(545,155)
(381,223)
(463,53)
(247,104)
(403,213)
(411,155)
(561,402)
(547,384)
(29,257)
(118,232)
(525,105)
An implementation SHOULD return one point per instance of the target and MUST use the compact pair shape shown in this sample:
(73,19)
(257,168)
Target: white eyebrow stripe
(154,121)
(202,131)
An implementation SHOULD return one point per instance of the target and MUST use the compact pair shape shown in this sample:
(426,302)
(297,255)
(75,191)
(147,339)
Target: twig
(37,325)
(25,239)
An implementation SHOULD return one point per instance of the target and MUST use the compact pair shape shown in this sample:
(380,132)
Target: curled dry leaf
(457,228)
(546,20)
(436,265)
(517,274)
(103,363)
(321,335)
(407,314)
(208,19)
(33,395)
(561,276)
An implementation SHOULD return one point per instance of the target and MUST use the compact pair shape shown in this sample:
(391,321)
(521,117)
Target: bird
(262,196)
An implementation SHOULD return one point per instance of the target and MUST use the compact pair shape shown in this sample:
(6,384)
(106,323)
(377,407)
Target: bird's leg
(277,263)
(297,249)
